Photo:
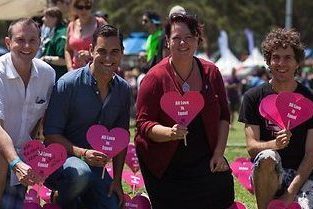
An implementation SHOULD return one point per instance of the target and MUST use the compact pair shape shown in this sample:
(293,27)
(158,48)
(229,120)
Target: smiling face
(24,42)
(283,64)
(181,41)
(107,54)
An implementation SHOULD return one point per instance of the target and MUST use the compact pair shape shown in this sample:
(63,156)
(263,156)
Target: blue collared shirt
(76,104)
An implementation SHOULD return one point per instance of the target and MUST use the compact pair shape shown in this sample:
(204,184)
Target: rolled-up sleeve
(148,104)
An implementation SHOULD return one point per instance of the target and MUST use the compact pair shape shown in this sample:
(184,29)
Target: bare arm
(160,133)
(217,162)
(92,157)
(54,60)
(303,171)
(255,145)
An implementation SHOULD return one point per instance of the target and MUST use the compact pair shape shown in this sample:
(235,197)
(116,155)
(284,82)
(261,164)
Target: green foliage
(232,16)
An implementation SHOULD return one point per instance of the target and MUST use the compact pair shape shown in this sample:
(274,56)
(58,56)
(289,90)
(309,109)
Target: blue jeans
(80,184)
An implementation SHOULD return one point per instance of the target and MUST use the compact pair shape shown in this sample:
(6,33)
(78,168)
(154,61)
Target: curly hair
(282,37)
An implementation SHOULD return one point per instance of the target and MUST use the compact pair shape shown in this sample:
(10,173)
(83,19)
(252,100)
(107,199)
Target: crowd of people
(59,79)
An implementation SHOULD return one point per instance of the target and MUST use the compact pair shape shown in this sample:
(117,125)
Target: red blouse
(159,80)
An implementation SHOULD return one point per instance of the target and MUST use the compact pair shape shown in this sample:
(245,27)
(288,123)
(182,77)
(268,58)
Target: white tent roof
(254,59)
(227,62)
(14,9)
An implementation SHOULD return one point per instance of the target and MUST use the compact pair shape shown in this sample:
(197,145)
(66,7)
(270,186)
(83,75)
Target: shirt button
(97,92)
(95,82)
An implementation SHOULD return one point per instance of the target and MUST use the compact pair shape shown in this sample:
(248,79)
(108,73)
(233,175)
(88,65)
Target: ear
(7,41)
(91,49)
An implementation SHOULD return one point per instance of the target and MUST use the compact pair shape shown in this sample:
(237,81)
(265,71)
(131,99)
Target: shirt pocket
(38,110)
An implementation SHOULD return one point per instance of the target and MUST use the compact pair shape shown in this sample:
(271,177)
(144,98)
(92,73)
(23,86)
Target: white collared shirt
(20,107)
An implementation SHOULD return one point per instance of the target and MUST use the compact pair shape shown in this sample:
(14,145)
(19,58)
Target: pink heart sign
(278,204)
(269,110)
(31,196)
(293,109)
(108,142)
(137,202)
(242,170)
(44,160)
(131,158)
(237,205)
(133,180)
(51,206)
(31,205)
(43,192)
(182,109)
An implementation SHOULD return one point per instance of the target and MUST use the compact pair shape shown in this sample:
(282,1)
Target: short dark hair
(153,17)
(282,37)
(23,21)
(55,12)
(107,31)
(190,20)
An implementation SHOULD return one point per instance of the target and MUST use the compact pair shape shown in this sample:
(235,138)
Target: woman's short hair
(190,20)
(54,12)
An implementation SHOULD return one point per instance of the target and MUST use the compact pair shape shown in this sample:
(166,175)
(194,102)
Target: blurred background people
(53,50)
(79,34)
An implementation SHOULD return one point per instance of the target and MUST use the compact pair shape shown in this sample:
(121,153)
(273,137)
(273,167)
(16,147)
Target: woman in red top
(79,34)
(179,176)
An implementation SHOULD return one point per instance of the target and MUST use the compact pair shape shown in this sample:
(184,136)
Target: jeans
(79,184)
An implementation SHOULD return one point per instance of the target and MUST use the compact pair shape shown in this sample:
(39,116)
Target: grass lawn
(235,148)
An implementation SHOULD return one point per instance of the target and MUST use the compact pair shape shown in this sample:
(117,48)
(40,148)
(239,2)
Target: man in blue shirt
(91,95)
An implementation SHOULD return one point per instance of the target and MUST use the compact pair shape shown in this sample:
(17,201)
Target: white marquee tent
(14,9)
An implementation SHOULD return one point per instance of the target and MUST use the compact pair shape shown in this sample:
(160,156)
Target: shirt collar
(90,79)
(11,72)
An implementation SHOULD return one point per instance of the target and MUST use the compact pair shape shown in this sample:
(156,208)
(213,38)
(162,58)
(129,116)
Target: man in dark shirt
(283,159)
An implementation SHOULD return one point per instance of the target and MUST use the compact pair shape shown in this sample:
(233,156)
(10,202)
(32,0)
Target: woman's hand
(178,132)
(218,164)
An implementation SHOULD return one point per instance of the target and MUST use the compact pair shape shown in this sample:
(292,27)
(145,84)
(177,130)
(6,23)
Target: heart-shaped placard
(51,206)
(237,205)
(43,192)
(182,109)
(31,205)
(108,142)
(242,170)
(31,196)
(133,179)
(269,111)
(137,202)
(131,158)
(278,204)
(44,160)
(293,109)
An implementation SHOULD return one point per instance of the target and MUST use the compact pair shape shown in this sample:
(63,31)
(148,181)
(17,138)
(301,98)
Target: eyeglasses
(145,21)
(81,7)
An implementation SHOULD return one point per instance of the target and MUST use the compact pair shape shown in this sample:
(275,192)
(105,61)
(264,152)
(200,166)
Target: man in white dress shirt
(25,87)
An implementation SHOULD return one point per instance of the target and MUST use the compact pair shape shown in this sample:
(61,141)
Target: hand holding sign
(182,109)
(286,110)
(110,143)
(44,160)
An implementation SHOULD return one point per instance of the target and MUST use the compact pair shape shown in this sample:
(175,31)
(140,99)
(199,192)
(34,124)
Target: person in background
(178,176)
(102,14)
(53,50)
(154,45)
(90,95)
(79,34)
(283,159)
(233,89)
(25,87)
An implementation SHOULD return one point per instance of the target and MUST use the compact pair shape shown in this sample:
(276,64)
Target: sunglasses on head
(80,7)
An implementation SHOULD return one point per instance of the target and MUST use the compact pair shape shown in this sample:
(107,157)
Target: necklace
(185,86)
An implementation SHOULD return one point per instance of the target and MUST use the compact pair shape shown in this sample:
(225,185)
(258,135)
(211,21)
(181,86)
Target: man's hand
(26,175)
(178,132)
(282,139)
(96,158)
(116,187)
